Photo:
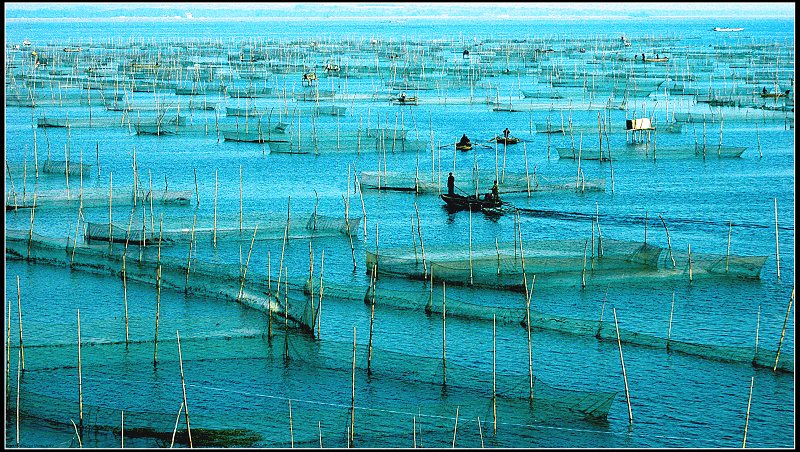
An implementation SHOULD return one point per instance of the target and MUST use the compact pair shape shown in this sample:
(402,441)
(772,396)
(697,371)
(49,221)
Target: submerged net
(224,227)
(558,263)
(508,183)
(221,281)
(430,301)
(121,377)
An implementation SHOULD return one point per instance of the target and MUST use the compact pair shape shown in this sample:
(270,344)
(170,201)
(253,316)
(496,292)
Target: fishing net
(255,226)
(431,301)
(508,183)
(556,263)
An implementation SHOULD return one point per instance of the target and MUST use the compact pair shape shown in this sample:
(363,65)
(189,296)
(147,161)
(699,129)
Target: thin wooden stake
(291,428)
(80,377)
(494,371)
(183,385)
(19,311)
(80,443)
(783,332)
(777,248)
(624,374)
(353,396)
(175,430)
(444,334)
(747,416)
(215,208)
(455,428)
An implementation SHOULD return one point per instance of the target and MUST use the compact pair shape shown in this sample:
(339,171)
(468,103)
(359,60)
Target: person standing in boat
(451,184)
(464,140)
(495,192)
(506,134)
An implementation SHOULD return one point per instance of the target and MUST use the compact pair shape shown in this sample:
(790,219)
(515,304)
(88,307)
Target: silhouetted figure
(495,192)
(464,140)
(506,134)
(451,184)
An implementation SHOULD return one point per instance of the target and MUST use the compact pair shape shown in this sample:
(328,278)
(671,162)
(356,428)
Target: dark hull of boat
(459,202)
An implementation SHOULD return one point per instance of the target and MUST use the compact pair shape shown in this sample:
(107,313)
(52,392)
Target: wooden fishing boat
(472,202)
(723,29)
(464,147)
(656,60)
(772,95)
(504,140)
(405,100)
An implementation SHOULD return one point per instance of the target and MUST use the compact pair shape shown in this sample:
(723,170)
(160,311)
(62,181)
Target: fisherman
(764,91)
(642,57)
(495,192)
(506,134)
(451,184)
(464,140)
(402,96)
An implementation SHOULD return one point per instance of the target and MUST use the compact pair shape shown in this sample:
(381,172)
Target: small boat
(504,140)
(472,202)
(464,147)
(772,95)
(656,60)
(405,100)
(723,29)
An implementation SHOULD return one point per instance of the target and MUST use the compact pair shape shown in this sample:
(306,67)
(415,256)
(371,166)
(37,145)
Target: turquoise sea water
(235,376)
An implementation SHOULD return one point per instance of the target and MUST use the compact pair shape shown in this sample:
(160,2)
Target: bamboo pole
(421,244)
(183,385)
(783,332)
(215,208)
(470,247)
(690,261)
(444,334)
(353,394)
(747,416)
(530,346)
(80,443)
(455,428)
(671,310)
(19,369)
(110,197)
(291,429)
(777,248)
(480,431)
(158,293)
(196,189)
(175,430)
(19,311)
(80,375)
(122,430)
(319,303)
(669,240)
(494,371)
(624,374)
(189,259)
(371,323)
(241,199)
(728,252)
(247,263)
(414,428)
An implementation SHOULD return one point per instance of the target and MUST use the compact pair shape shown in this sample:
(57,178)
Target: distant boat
(504,140)
(722,29)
